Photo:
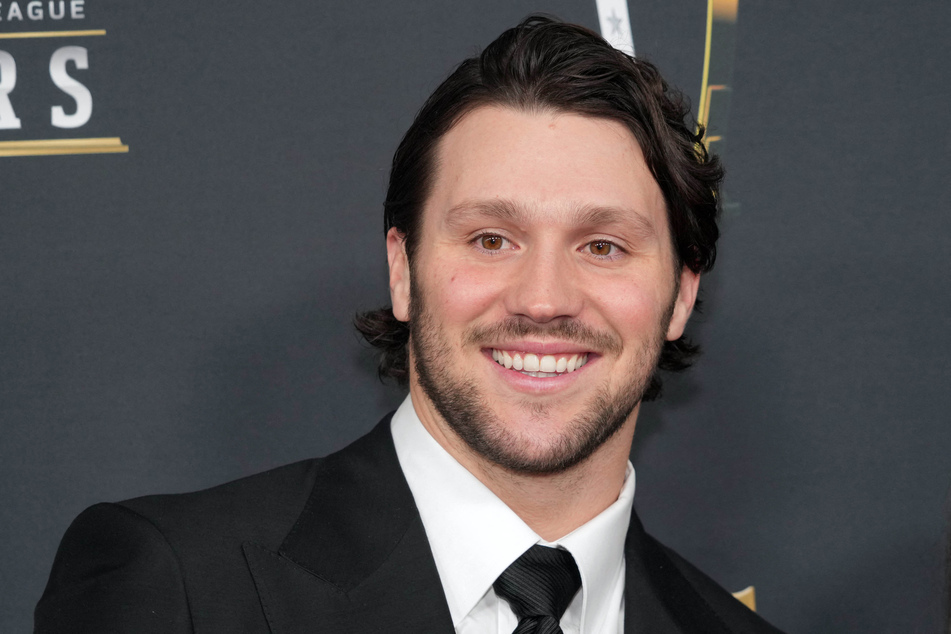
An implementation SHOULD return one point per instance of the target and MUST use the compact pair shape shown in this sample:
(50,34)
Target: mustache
(569,330)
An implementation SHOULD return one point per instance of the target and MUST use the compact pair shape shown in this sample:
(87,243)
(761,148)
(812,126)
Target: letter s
(71,87)
(8,79)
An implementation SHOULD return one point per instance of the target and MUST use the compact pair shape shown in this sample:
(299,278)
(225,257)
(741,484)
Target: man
(548,217)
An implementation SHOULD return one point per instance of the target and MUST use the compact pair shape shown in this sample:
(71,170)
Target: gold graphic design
(724,9)
(705,110)
(747,596)
(46,147)
(718,55)
(49,147)
(27,35)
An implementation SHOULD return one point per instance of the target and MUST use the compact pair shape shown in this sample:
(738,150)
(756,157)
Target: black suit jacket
(326,545)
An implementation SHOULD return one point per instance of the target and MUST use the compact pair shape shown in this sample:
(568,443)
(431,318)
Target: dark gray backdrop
(180,315)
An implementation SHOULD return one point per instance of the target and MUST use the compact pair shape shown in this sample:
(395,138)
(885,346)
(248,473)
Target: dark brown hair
(544,64)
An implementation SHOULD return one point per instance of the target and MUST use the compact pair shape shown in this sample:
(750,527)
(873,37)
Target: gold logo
(77,107)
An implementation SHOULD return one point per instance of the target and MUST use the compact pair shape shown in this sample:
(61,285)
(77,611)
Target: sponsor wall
(190,215)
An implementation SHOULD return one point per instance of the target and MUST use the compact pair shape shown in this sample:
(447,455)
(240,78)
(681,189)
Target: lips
(546,365)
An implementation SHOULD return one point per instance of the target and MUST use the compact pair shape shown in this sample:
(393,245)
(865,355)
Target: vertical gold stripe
(702,111)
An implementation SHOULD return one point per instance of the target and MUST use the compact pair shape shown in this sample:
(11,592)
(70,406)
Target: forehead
(554,166)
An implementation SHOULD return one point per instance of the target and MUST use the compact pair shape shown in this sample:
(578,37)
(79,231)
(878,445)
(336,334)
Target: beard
(467,409)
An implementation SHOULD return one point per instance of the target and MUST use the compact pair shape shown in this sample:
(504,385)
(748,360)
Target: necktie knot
(539,585)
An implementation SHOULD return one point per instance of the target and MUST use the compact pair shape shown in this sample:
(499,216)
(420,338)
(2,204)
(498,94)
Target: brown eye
(491,243)
(601,248)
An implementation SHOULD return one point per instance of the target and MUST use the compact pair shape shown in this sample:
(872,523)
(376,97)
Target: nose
(544,285)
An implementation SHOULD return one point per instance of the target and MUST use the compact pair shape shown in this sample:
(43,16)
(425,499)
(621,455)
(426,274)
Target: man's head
(546,65)
(549,195)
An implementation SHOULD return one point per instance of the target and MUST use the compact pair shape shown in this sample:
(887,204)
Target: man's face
(542,288)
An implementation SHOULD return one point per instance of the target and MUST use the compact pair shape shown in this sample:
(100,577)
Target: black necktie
(539,585)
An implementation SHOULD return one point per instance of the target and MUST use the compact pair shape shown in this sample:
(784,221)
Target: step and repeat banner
(191,215)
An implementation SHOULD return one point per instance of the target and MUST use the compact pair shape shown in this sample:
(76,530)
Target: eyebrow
(510,211)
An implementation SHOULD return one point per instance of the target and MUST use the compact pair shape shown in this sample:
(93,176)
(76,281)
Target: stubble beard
(468,412)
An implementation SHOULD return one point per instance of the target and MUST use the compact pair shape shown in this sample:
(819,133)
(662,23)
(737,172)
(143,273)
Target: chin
(526,439)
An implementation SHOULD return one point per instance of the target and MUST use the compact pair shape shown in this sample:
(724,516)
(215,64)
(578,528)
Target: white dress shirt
(474,536)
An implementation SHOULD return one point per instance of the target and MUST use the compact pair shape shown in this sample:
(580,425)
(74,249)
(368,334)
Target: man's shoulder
(160,563)
(733,614)
(165,562)
(261,508)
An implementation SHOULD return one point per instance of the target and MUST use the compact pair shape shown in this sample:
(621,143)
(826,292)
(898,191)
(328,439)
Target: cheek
(633,308)
(463,294)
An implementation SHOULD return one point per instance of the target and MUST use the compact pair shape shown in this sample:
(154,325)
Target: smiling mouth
(546,365)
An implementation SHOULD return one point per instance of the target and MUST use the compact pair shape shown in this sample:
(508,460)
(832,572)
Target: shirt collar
(598,549)
(474,536)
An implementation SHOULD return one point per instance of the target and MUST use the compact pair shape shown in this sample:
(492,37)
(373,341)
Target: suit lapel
(657,597)
(357,560)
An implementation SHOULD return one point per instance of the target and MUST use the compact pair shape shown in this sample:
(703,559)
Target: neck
(553,505)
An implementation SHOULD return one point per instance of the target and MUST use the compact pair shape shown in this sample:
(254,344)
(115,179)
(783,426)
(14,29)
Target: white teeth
(547,363)
(545,366)
(530,363)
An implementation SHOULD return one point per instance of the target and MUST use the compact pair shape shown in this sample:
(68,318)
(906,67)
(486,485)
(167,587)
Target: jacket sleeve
(114,572)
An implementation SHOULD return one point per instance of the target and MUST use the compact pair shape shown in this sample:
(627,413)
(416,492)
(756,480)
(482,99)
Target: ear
(683,304)
(399,273)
